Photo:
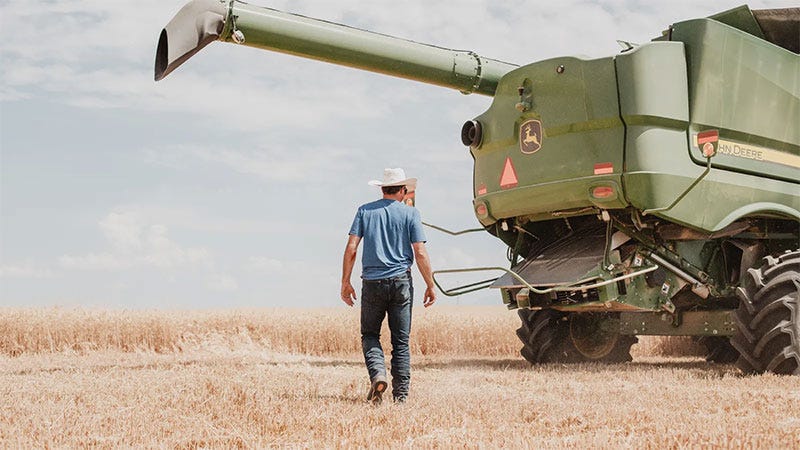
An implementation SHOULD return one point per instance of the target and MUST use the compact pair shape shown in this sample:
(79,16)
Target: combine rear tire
(550,336)
(719,349)
(768,317)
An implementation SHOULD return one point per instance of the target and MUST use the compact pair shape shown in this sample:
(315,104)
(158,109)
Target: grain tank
(651,192)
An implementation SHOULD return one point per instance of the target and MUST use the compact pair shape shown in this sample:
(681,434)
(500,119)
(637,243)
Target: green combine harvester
(652,192)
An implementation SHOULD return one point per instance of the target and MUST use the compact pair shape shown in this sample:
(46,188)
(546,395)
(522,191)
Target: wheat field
(295,379)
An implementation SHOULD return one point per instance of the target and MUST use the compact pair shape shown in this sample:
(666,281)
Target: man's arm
(424,266)
(348,294)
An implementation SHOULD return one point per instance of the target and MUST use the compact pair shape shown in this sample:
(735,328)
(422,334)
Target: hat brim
(410,183)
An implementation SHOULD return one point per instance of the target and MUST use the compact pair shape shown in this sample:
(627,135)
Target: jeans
(392,296)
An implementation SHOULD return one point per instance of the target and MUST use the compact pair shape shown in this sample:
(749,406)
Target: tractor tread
(545,338)
(768,317)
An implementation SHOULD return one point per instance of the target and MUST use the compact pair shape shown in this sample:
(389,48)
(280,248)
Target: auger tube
(201,22)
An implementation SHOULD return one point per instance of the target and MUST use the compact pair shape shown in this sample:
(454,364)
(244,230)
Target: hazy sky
(233,182)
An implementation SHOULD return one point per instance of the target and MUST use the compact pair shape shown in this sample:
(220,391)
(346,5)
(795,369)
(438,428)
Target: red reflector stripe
(602,192)
(603,168)
(707,136)
(509,178)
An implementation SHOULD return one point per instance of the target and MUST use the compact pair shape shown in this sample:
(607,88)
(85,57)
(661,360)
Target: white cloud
(123,230)
(166,254)
(97,261)
(9,94)
(80,31)
(135,243)
(299,272)
(454,257)
(96,54)
(104,53)
(26,269)
(266,264)
(222,283)
(293,101)
(271,163)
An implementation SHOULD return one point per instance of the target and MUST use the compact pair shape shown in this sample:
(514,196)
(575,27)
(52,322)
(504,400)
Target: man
(393,238)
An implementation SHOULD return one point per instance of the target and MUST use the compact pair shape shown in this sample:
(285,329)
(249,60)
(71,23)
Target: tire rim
(594,335)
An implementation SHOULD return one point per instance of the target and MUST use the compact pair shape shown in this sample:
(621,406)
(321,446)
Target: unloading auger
(201,22)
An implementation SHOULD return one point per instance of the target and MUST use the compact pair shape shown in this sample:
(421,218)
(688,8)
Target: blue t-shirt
(388,228)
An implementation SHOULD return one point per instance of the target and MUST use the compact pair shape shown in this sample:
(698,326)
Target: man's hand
(348,293)
(424,266)
(430,296)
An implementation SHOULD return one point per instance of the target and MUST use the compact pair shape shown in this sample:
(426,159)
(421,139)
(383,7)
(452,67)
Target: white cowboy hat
(395,177)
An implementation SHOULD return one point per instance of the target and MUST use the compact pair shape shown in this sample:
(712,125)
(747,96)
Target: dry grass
(439,331)
(280,378)
(485,331)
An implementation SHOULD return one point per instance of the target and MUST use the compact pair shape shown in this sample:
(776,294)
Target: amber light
(603,192)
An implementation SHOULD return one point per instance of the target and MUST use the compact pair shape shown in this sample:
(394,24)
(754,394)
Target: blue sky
(233,182)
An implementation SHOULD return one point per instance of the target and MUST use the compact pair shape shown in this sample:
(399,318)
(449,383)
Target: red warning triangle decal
(509,178)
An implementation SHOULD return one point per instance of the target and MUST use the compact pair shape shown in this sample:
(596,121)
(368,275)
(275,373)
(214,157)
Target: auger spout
(201,22)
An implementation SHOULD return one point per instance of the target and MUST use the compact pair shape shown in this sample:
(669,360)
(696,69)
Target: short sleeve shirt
(388,228)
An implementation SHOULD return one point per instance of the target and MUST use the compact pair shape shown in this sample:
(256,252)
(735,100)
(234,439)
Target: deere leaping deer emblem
(530,136)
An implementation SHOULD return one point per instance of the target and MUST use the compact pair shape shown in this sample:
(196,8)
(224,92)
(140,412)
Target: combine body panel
(715,77)
(573,105)
(748,90)
(656,191)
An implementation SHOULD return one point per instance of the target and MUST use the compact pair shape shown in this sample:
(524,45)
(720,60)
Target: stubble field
(295,378)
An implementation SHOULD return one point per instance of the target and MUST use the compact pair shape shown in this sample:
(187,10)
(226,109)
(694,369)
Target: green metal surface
(740,18)
(278,31)
(325,41)
(581,127)
(748,89)
(635,293)
(683,194)
(689,323)
(720,199)
(721,77)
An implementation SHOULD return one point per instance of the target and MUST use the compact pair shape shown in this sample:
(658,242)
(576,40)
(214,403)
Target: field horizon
(295,378)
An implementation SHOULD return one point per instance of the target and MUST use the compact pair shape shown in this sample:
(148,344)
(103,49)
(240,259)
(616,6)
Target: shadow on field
(696,368)
(104,366)
(422,363)
(437,363)
(474,363)
(700,368)
(333,363)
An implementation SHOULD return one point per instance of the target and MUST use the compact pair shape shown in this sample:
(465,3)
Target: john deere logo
(530,136)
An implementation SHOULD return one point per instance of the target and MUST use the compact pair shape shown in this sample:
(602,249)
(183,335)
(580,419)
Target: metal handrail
(453,233)
(564,287)
(465,289)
